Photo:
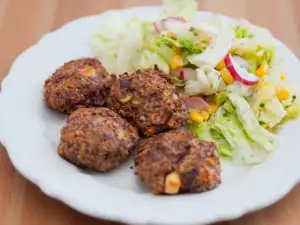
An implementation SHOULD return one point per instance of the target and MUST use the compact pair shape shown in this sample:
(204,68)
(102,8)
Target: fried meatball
(176,162)
(78,83)
(148,100)
(97,139)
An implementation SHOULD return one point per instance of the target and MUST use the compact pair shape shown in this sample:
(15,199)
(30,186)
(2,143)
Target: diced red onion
(125,83)
(197,103)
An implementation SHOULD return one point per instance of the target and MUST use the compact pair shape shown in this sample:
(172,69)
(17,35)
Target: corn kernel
(231,51)
(176,49)
(283,77)
(259,55)
(282,94)
(88,71)
(196,117)
(262,70)
(227,77)
(221,65)
(176,62)
(170,35)
(206,40)
(126,98)
(172,183)
(205,115)
(213,108)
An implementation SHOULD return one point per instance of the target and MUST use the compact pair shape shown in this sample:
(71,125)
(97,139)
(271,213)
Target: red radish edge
(238,73)
(159,26)
(196,103)
(155,27)
(182,19)
(185,73)
(181,74)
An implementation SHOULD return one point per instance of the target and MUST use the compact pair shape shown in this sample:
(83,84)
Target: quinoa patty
(148,100)
(78,83)
(97,138)
(176,162)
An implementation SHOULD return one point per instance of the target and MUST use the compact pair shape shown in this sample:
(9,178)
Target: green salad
(229,72)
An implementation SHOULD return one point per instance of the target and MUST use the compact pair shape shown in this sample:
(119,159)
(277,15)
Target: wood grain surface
(23,22)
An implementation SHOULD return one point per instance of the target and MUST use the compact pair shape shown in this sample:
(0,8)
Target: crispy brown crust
(196,162)
(97,138)
(78,83)
(148,100)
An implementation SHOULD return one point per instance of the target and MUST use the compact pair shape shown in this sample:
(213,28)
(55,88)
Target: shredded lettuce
(266,106)
(148,59)
(292,104)
(121,52)
(241,89)
(208,81)
(251,125)
(252,61)
(216,51)
(192,48)
(179,8)
(227,131)
(239,141)
(208,132)
(293,111)
(242,32)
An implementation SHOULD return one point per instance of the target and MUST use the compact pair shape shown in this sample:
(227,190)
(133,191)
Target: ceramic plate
(30,132)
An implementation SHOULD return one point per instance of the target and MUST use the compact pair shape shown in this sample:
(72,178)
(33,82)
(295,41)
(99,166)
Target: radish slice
(160,26)
(196,103)
(239,73)
(178,73)
(190,74)
(179,19)
(240,61)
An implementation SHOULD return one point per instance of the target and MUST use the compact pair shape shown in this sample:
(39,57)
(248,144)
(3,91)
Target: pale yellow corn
(176,49)
(176,62)
(196,117)
(259,55)
(88,71)
(170,35)
(231,51)
(262,70)
(172,183)
(226,76)
(282,94)
(221,65)
(283,77)
(213,108)
(205,115)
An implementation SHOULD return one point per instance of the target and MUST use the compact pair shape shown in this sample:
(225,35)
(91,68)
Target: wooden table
(22,23)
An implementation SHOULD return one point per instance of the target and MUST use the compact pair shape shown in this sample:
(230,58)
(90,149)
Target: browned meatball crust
(97,138)
(78,83)
(148,100)
(176,162)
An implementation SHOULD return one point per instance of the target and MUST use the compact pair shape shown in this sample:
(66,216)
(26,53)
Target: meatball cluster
(107,113)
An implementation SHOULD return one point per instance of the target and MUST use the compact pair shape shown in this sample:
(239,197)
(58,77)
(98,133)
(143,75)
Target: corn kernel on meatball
(176,162)
(78,83)
(97,139)
(148,100)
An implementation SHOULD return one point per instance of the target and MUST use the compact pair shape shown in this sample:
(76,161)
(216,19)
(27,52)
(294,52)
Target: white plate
(30,132)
